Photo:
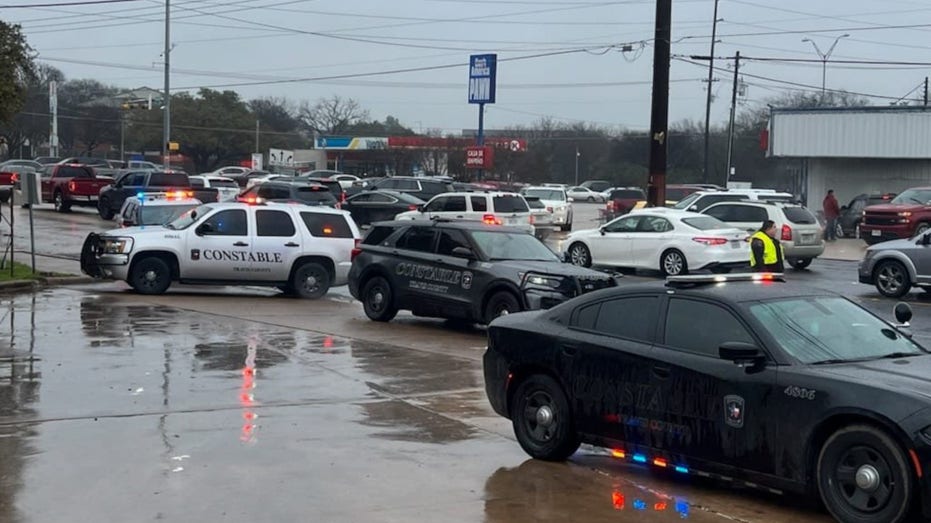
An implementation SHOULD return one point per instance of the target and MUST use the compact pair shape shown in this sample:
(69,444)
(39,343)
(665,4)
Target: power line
(66,4)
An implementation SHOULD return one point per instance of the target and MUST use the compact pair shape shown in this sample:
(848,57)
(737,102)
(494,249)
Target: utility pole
(730,132)
(122,135)
(577,165)
(926,91)
(659,119)
(706,175)
(53,106)
(166,130)
(256,136)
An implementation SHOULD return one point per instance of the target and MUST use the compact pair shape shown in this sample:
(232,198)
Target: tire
(150,276)
(580,255)
(673,263)
(378,300)
(800,263)
(922,228)
(591,199)
(864,455)
(59,202)
(500,304)
(542,419)
(104,210)
(891,279)
(566,228)
(4,198)
(310,281)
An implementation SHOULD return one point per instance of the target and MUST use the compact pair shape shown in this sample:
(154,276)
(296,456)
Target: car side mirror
(903,313)
(420,207)
(464,252)
(602,230)
(742,354)
(693,208)
(204,229)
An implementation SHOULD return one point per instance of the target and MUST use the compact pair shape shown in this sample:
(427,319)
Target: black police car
(461,270)
(737,376)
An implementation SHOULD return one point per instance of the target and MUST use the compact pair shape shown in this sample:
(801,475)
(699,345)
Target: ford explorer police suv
(299,249)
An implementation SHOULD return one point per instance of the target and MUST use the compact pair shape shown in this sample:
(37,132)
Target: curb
(41,282)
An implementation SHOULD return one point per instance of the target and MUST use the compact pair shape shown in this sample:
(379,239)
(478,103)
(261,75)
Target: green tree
(31,124)
(16,68)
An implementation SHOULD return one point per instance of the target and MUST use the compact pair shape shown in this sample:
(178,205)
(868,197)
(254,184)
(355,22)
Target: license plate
(92,198)
(808,239)
(735,245)
(876,233)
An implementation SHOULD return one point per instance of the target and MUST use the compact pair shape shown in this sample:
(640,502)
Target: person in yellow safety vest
(766,253)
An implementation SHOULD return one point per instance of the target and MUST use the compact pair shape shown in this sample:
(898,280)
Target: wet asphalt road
(238,404)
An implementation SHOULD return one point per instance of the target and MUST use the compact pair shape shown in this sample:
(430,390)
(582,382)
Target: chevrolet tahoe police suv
(299,249)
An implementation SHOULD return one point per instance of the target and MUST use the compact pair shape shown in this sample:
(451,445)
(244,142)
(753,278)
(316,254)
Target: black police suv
(461,270)
(739,376)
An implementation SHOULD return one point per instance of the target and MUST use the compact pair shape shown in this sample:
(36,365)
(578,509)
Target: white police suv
(300,249)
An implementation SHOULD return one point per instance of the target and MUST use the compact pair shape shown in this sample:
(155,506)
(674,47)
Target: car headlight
(546,281)
(116,245)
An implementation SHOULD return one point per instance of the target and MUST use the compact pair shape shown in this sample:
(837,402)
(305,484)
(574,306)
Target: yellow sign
(174,146)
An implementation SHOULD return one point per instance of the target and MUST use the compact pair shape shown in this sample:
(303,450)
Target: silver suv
(896,266)
(798,229)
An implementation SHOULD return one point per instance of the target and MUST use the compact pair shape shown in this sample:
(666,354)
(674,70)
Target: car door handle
(459,217)
(661,372)
(292,244)
(240,244)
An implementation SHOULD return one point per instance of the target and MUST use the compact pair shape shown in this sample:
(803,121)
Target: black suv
(131,183)
(848,223)
(461,270)
(421,187)
(278,191)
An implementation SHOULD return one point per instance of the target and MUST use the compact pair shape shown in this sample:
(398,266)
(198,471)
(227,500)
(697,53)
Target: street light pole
(166,124)
(577,165)
(824,59)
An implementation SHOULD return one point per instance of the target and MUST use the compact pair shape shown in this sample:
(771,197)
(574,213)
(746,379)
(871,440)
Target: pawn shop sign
(480,157)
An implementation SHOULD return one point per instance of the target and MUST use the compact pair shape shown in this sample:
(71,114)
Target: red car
(908,215)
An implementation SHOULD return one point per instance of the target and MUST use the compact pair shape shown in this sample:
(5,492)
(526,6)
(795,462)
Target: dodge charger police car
(737,377)
(300,249)
(461,270)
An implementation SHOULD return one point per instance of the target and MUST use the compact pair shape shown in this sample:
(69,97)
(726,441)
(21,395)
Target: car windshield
(162,214)
(831,330)
(705,223)
(687,202)
(919,196)
(187,219)
(546,194)
(503,245)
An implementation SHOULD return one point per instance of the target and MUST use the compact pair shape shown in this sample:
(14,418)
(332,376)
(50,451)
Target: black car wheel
(150,276)
(800,263)
(104,210)
(59,202)
(922,228)
(672,263)
(591,199)
(863,475)
(892,280)
(500,304)
(311,281)
(378,300)
(580,255)
(542,420)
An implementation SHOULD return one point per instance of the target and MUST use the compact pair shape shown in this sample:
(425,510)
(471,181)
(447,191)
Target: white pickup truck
(299,249)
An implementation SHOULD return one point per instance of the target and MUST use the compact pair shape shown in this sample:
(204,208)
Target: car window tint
(449,240)
(702,327)
(274,223)
(197,183)
(627,194)
(725,213)
(455,204)
(800,215)
(168,180)
(409,185)
(510,203)
(654,224)
(378,234)
(326,225)
(231,222)
(315,195)
(631,318)
(436,205)
(137,179)
(626,224)
(381,198)
(479,204)
(417,239)
(586,316)
(747,213)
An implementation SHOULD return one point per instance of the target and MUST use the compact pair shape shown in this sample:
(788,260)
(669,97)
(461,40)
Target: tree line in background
(216,128)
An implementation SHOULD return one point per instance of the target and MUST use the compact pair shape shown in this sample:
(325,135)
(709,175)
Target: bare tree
(332,115)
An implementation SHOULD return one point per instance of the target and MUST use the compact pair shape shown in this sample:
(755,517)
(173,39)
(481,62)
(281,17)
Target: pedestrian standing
(831,214)
(766,253)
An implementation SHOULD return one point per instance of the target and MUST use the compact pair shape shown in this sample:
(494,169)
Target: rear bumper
(806,251)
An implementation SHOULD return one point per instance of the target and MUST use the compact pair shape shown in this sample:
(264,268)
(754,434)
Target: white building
(853,150)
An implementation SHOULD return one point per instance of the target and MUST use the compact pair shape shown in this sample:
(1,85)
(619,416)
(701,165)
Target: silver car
(896,266)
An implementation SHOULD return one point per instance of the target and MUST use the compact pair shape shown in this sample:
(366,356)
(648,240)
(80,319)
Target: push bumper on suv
(539,294)
(98,265)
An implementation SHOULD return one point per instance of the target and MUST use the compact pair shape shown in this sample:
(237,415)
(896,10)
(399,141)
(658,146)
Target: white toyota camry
(673,242)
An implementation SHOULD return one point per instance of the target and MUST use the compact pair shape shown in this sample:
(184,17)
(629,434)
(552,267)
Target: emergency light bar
(699,279)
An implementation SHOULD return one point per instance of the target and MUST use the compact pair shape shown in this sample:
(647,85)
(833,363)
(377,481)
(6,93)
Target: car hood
(893,245)
(555,267)
(895,207)
(137,231)
(904,374)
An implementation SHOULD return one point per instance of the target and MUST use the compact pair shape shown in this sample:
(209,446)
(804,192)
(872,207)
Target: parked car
(73,184)
(256,180)
(133,183)
(542,217)
(678,192)
(673,242)
(8,181)
(227,188)
(622,200)
(34,165)
(376,206)
(139,164)
(345,180)
(584,194)
(462,270)
(906,216)
(334,186)
(155,208)
(491,208)
(101,165)
(596,185)
(699,201)
(46,160)
(848,223)
(421,187)
(235,172)
(897,266)
(557,202)
(801,235)
(278,191)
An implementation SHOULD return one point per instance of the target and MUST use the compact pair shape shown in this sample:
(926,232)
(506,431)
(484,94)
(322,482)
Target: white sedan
(345,180)
(673,242)
(584,194)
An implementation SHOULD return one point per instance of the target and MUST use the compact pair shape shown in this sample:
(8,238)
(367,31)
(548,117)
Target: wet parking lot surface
(199,407)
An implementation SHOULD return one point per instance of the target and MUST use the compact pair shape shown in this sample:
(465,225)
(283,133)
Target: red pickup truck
(909,214)
(73,184)
(7,183)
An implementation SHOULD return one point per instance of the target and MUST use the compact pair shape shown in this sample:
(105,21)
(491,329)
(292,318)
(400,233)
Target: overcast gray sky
(558,58)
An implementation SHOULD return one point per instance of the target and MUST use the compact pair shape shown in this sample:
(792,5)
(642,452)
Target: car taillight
(412,207)
(14,178)
(356,250)
(786,233)
(490,219)
(610,205)
(71,186)
(710,241)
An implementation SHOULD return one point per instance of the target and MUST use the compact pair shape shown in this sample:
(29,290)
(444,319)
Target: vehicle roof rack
(710,279)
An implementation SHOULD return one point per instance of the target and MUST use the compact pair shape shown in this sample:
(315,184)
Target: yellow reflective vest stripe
(769,249)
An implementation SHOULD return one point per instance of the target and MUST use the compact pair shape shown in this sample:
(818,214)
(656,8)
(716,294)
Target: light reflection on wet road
(116,407)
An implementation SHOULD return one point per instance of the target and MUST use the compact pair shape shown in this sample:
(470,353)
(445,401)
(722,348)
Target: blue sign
(482,73)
